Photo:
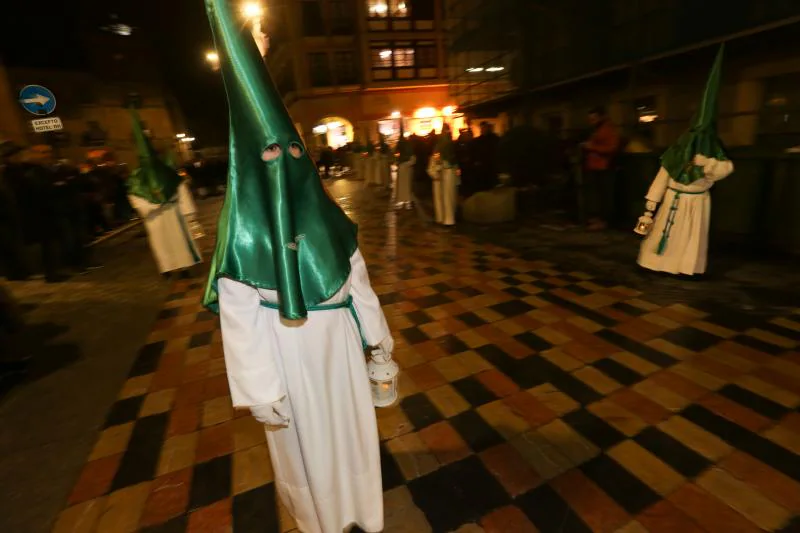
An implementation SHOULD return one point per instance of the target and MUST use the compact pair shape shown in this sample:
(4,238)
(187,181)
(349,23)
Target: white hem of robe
(168,233)
(686,250)
(327,462)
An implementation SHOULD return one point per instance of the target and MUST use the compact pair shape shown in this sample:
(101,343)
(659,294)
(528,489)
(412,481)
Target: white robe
(327,462)
(374,164)
(405,174)
(359,166)
(686,250)
(384,170)
(445,192)
(167,231)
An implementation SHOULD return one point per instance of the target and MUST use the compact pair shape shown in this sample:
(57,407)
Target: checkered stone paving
(532,399)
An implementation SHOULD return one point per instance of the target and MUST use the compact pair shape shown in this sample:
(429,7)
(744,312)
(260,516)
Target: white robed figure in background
(357,159)
(676,240)
(165,204)
(296,306)
(385,163)
(443,169)
(370,160)
(404,154)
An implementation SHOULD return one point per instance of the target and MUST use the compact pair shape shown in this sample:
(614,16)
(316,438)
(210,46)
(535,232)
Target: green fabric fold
(702,137)
(154,180)
(278,229)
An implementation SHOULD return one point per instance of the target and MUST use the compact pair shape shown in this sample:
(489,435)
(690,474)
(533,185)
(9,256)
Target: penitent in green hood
(278,229)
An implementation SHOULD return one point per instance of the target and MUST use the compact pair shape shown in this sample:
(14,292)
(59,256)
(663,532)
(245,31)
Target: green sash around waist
(347,304)
(662,244)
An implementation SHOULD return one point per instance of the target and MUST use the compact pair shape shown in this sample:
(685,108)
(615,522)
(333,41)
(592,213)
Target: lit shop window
(381,58)
(377,8)
(403,57)
(399,8)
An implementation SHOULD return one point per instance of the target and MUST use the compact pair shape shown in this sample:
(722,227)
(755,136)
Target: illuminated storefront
(333,131)
(422,122)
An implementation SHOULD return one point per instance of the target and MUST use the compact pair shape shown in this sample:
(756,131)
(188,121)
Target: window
(403,57)
(426,55)
(320,71)
(377,8)
(403,60)
(423,9)
(392,57)
(399,8)
(342,18)
(312,19)
(381,58)
(344,66)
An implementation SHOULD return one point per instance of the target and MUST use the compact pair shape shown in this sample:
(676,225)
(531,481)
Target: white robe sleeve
(659,186)
(368,307)
(142,206)
(186,200)
(718,170)
(253,374)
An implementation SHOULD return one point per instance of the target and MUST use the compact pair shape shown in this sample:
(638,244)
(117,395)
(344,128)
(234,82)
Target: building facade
(645,60)
(349,68)
(116,69)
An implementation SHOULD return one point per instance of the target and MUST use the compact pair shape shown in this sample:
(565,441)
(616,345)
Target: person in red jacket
(600,153)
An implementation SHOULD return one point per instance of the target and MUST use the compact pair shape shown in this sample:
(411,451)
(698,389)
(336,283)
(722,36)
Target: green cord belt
(347,304)
(673,209)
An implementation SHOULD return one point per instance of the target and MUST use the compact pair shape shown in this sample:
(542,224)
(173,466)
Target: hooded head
(154,180)
(403,149)
(278,228)
(445,146)
(701,138)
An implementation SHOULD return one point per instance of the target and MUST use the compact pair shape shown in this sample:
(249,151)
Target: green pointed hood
(701,138)
(278,228)
(446,148)
(154,180)
(383,147)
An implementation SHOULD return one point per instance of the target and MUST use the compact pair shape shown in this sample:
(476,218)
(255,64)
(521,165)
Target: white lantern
(644,224)
(383,379)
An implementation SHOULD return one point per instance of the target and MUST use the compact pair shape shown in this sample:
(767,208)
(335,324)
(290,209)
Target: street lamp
(213,59)
(253,12)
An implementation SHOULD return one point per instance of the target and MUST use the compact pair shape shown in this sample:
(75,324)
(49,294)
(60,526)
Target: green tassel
(662,244)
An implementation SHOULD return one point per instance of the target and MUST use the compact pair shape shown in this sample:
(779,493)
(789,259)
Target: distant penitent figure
(404,155)
(443,169)
(165,203)
(676,240)
(295,303)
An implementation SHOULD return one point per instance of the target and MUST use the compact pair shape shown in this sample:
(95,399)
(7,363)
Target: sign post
(40,101)
(37,100)
(41,125)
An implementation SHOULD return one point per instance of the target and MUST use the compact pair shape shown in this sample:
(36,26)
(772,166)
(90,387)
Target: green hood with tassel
(701,138)
(404,150)
(278,229)
(154,180)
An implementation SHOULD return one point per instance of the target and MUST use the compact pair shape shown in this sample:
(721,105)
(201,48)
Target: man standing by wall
(599,162)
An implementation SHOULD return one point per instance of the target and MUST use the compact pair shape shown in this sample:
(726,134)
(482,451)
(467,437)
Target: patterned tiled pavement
(534,398)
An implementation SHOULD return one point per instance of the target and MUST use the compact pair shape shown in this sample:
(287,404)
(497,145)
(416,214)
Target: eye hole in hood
(271,152)
(296,150)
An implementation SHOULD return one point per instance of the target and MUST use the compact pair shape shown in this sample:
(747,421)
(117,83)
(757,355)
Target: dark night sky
(47,36)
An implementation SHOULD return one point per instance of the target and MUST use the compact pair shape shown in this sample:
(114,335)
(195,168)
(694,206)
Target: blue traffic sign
(37,100)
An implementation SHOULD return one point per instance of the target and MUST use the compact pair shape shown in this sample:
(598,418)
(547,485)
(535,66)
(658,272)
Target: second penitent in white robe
(167,230)
(678,241)
(327,461)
